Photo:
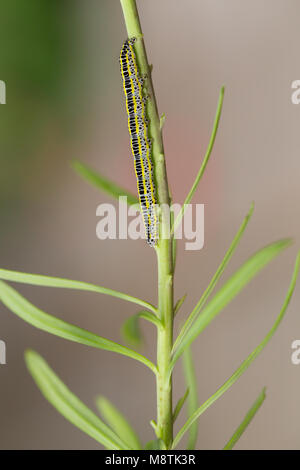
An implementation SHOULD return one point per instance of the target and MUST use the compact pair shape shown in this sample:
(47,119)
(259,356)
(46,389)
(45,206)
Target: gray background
(49,228)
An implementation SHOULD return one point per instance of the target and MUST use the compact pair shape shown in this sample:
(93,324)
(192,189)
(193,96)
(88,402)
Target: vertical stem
(165,343)
(164,429)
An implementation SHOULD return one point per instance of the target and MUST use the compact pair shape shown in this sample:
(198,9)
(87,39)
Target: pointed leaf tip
(68,404)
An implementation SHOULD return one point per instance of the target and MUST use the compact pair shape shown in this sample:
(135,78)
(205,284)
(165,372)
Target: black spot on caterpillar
(141,145)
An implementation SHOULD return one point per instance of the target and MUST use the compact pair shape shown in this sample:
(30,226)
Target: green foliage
(156,444)
(56,392)
(230,289)
(191,383)
(215,278)
(244,366)
(179,304)
(47,281)
(247,420)
(103,183)
(118,433)
(131,330)
(179,405)
(36,317)
(162,120)
(117,421)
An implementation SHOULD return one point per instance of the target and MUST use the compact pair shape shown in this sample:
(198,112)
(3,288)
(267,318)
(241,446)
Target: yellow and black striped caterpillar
(141,145)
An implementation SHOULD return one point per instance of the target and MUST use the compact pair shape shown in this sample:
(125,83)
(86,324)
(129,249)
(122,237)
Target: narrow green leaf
(36,317)
(103,183)
(162,121)
(215,278)
(244,366)
(66,403)
(192,403)
(179,405)
(131,330)
(179,304)
(246,421)
(229,290)
(205,161)
(153,424)
(150,318)
(117,421)
(47,281)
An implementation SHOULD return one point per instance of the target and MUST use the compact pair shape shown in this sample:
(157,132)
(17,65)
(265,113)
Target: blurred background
(59,60)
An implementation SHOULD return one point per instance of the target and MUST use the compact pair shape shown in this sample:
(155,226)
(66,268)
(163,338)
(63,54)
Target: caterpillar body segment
(141,144)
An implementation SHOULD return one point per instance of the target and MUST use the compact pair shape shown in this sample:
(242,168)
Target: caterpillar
(141,145)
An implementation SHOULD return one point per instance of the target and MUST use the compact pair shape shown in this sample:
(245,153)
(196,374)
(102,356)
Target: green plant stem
(164,426)
(164,344)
